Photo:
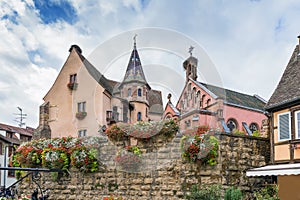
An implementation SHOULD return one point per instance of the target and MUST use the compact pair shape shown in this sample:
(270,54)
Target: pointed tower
(190,66)
(135,89)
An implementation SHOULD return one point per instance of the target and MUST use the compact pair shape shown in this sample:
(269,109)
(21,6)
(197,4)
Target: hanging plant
(201,147)
(61,153)
(142,130)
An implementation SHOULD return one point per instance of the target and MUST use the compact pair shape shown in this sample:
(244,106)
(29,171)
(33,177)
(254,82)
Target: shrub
(233,194)
(269,192)
(206,192)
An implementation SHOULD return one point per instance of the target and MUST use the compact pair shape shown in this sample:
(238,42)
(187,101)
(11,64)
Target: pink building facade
(203,104)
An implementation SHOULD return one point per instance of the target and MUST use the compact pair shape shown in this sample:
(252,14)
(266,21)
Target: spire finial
(134,40)
(169,97)
(191,50)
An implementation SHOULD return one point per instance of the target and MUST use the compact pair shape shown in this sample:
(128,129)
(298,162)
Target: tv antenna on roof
(20,117)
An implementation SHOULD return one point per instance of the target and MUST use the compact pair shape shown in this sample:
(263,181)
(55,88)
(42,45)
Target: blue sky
(249,42)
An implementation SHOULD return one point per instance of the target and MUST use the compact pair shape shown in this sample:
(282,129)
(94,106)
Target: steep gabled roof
(287,91)
(236,98)
(100,78)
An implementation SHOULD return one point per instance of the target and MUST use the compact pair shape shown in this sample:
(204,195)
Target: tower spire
(134,41)
(134,71)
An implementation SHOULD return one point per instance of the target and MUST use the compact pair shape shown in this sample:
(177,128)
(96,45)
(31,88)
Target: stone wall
(163,174)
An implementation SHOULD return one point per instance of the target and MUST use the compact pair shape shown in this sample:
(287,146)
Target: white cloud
(250,42)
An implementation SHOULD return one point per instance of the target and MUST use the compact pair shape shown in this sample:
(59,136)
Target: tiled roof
(13,129)
(236,98)
(287,90)
(134,71)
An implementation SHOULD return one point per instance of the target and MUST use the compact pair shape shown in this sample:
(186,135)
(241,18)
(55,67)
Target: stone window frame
(289,126)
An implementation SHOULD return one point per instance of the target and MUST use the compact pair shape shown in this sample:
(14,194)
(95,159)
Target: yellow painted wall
(281,152)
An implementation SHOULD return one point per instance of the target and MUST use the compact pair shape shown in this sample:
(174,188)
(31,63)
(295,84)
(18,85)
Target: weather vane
(134,38)
(191,50)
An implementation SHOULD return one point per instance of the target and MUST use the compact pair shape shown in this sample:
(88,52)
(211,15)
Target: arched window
(208,102)
(202,100)
(195,96)
(232,124)
(129,92)
(139,116)
(189,87)
(253,127)
(139,92)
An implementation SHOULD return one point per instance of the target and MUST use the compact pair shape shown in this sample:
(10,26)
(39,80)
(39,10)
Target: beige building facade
(83,102)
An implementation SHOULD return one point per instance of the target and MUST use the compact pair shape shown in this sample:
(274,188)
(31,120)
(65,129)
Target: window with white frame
(297,124)
(82,133)
(81,107)
(284,126)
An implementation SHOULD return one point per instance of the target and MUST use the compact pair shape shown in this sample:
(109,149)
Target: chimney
(77,48)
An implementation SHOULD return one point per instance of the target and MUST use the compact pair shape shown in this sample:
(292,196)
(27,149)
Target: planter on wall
(72,86)
(81,115)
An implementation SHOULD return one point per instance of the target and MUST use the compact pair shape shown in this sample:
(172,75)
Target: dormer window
(72,85)
(139,92)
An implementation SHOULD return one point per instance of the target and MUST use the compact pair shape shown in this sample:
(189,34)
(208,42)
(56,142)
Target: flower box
(81,115)
(72,86)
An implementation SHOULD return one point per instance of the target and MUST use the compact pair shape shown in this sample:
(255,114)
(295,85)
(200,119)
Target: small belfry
(190,66)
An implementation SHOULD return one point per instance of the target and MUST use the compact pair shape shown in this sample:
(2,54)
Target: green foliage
(237,131)
(256,133)
(134,149)
(206,192)
(269,192)
(233,194)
